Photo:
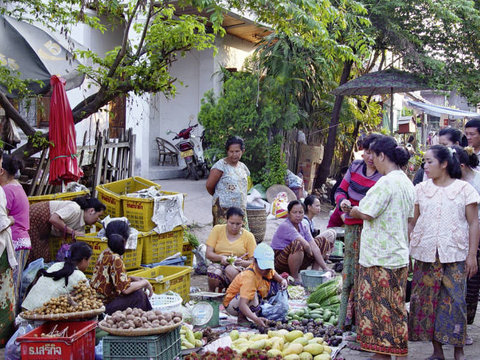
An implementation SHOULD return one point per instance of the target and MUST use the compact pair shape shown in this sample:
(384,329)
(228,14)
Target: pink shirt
(442,225)
(18,207)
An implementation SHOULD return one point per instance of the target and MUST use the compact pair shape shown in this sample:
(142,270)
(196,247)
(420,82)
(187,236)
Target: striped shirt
(354,186)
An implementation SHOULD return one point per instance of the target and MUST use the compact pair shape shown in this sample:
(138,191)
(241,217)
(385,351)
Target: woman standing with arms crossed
(382,279)
(444,244)
(228,182)
(360,177)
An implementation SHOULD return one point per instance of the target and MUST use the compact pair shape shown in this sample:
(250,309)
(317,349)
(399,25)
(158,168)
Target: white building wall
(197,73)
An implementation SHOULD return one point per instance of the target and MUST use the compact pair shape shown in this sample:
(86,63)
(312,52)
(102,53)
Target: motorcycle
(191,151)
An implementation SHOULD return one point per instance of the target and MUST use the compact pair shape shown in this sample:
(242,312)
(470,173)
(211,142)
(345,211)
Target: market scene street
(198,180)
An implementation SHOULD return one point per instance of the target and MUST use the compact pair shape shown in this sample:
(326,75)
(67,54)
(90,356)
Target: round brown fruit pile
(138,319)
(82,298)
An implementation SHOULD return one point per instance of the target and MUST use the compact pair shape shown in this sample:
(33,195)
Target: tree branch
(13,114)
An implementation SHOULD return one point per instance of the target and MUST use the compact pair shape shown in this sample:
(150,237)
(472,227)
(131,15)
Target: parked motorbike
(191,151)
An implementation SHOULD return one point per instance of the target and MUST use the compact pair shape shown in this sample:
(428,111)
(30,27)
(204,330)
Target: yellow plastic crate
(158,247)
(55,242)
(140,211)
(175,278)
(111,194)
(58,196)
(132,258)
(187,250)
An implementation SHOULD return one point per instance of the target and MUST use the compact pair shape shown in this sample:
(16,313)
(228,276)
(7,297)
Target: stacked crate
(152,247)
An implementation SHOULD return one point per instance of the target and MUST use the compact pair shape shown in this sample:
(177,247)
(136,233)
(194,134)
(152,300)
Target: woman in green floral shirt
(385,210)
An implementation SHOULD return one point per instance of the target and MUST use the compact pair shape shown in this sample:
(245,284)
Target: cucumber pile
(326,316)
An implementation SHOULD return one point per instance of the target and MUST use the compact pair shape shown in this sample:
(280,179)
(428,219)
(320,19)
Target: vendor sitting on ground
(245,294)
(229,241)
(118,290)
(295,248)
(60,278)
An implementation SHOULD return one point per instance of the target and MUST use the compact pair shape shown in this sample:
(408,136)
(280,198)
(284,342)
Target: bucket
(257,222)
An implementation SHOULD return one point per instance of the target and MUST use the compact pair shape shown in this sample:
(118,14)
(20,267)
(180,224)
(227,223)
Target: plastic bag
(202,262)
(279,205)
(12,349)
(276,307)
(63,252)
(29,274)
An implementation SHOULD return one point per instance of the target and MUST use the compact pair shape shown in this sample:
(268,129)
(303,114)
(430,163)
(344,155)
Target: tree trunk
(348,154)
(324,169)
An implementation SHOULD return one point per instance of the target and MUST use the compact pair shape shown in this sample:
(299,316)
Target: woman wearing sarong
(118,290)
(225,241)
(228,182)
(360,177)
(60,219)
(294,247)
(382,278)
(444,244)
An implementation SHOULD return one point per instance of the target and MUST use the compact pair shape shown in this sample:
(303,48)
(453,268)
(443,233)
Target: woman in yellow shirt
(229,240)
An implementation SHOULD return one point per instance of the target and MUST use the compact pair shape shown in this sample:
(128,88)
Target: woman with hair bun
(383,260)
(118,290)
(444,243)
(18,208)
(61,219)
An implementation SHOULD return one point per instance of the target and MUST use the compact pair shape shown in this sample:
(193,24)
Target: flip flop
(353,345)
(435,358)
(468,341)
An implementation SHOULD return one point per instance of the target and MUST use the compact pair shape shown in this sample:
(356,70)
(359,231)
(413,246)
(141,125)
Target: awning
(436,110)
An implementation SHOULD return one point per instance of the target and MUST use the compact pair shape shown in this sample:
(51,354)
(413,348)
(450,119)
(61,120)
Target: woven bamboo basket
(257,222)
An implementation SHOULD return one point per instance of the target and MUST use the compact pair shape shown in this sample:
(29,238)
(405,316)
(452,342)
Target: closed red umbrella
(63,162)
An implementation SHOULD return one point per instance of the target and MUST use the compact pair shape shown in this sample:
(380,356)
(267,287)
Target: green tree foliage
(244,109)
(154,36)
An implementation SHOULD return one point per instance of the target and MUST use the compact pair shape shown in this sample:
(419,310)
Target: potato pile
(130,319)
(82,298)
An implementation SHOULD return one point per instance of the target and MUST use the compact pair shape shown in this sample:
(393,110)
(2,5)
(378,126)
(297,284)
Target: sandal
(469,340)
(353,345)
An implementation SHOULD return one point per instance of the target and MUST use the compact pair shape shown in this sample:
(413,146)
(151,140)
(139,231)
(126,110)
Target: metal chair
(166,150)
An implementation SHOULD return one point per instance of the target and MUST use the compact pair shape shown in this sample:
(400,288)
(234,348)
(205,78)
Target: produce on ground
(82,298)
(190,339)
(325,315)
(289,345)
(331,335)
(229,354)
(296,292)
(130,319)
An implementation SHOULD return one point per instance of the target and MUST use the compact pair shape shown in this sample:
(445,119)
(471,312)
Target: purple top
(19,209)
(286,233)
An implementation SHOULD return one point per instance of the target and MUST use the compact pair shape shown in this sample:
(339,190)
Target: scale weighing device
(206,312)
